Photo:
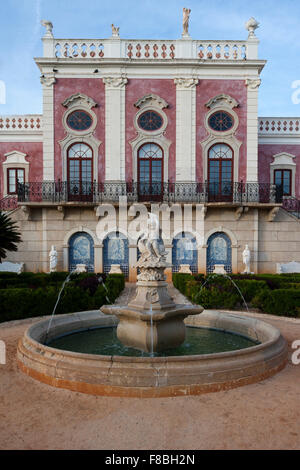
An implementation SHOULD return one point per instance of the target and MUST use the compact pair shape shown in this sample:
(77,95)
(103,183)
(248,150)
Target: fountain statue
(152,322)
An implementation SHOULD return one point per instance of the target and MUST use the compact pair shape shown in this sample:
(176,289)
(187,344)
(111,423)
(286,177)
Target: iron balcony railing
(292,205)
(93,192)
(8,203)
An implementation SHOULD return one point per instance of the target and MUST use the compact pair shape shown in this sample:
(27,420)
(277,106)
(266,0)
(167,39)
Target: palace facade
(172,123)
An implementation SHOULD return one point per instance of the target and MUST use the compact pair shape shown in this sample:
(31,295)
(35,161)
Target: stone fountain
(152,322)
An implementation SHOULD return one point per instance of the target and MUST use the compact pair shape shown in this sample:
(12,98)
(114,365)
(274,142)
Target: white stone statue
(185,22)
(49,27)
(53,259)
(149,245)
(115,31)
(246,260)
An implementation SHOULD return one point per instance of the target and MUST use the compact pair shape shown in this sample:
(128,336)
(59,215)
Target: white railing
(150,49)
(279,126)
(28,122)
(81,49)
(222,50)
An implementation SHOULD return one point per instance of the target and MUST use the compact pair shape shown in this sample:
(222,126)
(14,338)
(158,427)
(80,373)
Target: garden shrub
(282,302)
(81,293)
(271,293)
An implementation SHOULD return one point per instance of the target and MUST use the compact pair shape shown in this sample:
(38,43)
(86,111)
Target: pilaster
(185,128)
(48,81)
(252,133)
(115,128)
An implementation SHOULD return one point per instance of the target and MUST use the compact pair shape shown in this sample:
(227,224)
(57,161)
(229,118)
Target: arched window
(150,172)
(220,171)
(80,172)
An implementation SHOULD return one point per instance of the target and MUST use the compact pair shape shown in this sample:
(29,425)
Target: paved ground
(36,416)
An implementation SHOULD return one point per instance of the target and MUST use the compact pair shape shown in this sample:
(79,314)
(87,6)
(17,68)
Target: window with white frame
(14,176)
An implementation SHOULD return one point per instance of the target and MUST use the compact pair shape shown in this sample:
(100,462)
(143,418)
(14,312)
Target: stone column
(115,128)
(132,261)
(98,258)
(252,129)
(185,129)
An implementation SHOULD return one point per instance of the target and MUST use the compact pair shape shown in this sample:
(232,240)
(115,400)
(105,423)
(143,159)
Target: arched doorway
(80,172)
(220,173)
(219,252)
(184,251)
(150,172)
(81,251)
(116,251)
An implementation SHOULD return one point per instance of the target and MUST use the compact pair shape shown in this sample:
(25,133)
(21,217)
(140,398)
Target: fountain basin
(151,376)
(151,332)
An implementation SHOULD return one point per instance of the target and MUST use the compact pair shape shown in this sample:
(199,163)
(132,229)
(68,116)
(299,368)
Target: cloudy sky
(20,34)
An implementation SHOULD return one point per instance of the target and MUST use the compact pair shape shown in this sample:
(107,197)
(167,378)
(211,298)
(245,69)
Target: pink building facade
(165,122)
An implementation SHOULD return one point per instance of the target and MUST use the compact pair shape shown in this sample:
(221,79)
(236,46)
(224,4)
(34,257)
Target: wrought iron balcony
(97,193)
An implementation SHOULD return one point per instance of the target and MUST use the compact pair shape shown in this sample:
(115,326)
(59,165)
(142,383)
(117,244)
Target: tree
(9,235)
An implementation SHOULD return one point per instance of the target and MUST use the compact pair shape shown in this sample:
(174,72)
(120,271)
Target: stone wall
(272,235)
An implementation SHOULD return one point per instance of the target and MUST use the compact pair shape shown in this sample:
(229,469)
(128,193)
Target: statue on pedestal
(246,260)
(185,22)
(53,259)
(115,31)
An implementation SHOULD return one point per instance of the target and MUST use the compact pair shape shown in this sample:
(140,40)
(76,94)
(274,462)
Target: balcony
(93,193)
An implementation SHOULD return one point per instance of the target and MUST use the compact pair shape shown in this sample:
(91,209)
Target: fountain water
(211,276)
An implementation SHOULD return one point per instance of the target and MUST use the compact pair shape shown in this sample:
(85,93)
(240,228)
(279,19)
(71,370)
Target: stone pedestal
(219,269)
(185,269)
(115,269)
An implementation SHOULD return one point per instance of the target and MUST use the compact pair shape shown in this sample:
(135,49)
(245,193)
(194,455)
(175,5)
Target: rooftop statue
(185,22)
(115,30)
(49,27)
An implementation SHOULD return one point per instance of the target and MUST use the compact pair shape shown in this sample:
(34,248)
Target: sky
(21,32)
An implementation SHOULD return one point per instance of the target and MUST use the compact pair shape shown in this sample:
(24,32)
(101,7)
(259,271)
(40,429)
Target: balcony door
(150,172)
(220,171)
(80,173)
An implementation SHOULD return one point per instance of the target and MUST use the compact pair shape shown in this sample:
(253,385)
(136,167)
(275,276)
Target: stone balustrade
(278,126)
(150,49)
(28,122)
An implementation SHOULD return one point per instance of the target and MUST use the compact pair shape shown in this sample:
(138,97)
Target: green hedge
(81,293)
(275,294)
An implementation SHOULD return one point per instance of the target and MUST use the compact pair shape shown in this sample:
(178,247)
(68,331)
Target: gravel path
(260,416)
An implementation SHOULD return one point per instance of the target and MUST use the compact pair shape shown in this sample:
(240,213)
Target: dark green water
(104,341)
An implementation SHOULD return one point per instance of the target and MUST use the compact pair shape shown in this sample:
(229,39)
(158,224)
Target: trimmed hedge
(82,292)
(275,294)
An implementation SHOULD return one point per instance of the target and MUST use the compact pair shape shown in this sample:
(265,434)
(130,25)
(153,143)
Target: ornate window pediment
(222,100)
(79,100)
(151,100)
(283,158)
